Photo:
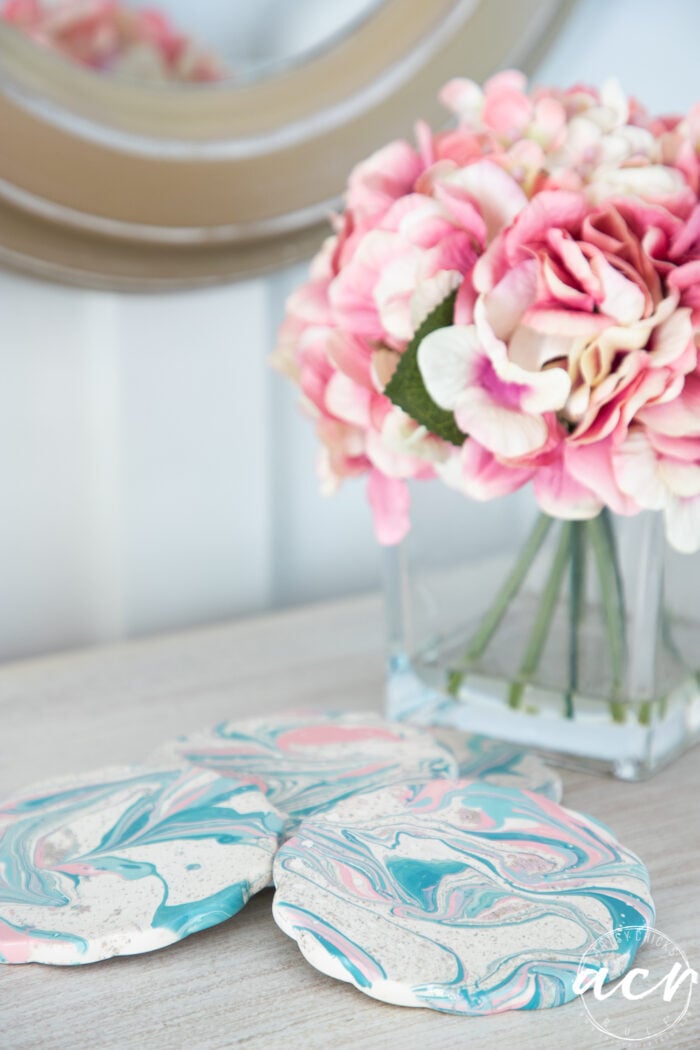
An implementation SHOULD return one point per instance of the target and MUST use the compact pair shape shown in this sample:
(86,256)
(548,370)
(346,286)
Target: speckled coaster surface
(306,762)
(127,860)
(458,895)
(480,758)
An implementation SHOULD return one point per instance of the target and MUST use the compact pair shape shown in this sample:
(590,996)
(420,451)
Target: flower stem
(576,600)
(603,545)
(609,532)
(543,621)
(571,554)
(511,586)
(644,714)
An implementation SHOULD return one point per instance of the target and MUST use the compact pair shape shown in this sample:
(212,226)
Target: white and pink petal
(636,468)
(347,400)
(430,292)
(507,432)
(477,473)
(592,466)
(682,520)
(497,195)
(446,359)
(511,298)
(390,500)
(561,495)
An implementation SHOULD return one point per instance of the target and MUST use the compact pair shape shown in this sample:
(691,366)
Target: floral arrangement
(109,37)
(514,300)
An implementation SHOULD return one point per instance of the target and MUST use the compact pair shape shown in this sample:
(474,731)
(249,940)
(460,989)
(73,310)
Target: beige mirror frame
(109,183)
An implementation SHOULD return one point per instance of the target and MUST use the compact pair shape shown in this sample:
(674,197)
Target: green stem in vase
(606,522)
(576,602)
(575,541)
(513,583)
(545,614)
(603,546)
(645,713)
(670,642)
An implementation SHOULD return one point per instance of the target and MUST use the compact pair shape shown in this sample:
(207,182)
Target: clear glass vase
(580,640)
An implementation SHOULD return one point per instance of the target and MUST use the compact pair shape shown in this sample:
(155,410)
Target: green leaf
(407,389)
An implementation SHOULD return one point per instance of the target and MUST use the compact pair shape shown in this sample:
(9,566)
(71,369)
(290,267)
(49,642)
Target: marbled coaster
(458,895)
(126,860)
(480,758)
(307,762)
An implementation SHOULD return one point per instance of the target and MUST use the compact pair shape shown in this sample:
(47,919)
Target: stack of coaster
(426,867)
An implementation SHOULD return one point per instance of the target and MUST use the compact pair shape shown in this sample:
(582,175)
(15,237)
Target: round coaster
(308,761)
(127,860)
(460,896)
(480,758)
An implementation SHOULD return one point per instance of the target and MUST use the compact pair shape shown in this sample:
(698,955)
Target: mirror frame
(111,183)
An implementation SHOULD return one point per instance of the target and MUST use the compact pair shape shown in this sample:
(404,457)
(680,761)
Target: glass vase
(580,640)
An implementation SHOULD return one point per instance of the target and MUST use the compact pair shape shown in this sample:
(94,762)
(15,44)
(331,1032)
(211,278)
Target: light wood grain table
(244,983)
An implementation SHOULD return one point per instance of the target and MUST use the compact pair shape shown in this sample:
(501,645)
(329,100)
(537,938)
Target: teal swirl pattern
(480,758)
(127,860)
(306,762)
(460,896)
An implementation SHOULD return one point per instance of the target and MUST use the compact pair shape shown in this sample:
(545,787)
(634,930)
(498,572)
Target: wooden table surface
(244,983)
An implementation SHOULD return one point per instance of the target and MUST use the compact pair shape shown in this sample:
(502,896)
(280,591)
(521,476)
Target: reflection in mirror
(112,37)
(174,41)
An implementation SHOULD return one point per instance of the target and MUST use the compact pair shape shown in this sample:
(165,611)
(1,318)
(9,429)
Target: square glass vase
(580,640)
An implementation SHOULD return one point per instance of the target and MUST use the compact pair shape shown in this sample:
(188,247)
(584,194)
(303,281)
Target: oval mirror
(192,145)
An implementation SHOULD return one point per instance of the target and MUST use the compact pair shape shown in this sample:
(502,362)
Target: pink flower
(567,225)
(587,289)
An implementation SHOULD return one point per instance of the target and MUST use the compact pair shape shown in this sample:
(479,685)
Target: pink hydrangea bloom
(567,223)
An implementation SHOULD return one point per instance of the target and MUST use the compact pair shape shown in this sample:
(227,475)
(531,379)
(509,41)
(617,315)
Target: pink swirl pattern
(460,896)
(306,762)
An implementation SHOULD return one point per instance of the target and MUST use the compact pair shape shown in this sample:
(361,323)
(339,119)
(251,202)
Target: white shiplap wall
(156,474)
